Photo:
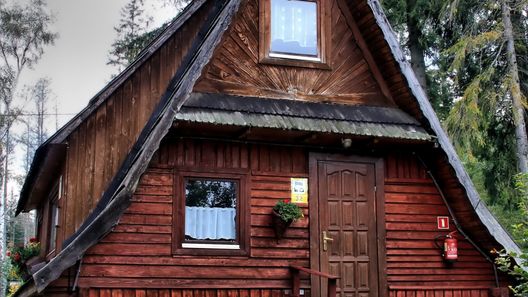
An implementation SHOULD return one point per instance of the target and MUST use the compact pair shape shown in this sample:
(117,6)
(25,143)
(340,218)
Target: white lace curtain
(210,222)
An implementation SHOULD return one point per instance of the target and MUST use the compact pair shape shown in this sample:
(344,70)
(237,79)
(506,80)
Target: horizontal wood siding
(138,251)
(447,292)
(99,145)
(235,68)
(180,293)
(412,204)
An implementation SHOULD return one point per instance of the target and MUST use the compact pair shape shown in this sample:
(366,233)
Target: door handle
(326,239)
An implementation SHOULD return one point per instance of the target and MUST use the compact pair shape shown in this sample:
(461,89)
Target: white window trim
(294,57)
(210,246)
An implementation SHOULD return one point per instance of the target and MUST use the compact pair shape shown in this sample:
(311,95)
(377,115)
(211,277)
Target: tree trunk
(414,45)
(515,92)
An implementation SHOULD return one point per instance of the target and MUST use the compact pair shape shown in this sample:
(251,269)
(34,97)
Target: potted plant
(284,213)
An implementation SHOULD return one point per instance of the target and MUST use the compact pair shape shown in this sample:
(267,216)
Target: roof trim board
(117,200)
(495,229)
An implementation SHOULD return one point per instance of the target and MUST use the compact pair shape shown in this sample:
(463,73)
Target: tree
(24,33)
(132,25)
(487,122)
(423,35)
(514,90)
(39,96)
(134,32)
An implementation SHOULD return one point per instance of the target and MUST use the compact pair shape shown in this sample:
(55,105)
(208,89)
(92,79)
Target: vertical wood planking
(99,145)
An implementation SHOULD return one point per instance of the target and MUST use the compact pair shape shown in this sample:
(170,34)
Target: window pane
(210,210)
(294,27)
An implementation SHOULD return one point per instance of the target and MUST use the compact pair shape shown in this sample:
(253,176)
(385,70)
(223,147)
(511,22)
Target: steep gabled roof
(117,198)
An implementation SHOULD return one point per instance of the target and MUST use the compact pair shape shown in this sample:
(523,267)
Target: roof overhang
(48,159)
(350,120)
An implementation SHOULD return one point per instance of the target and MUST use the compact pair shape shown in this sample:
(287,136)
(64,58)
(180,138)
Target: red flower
(17,257)
(33,239)
(8,253)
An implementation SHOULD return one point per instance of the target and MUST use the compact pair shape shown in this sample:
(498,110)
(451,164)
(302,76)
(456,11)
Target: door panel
(347,212)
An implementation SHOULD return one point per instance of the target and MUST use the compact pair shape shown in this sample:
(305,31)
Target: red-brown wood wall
(100,144)
(137,253)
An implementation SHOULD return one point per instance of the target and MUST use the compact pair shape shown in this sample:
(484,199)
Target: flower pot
(279,225)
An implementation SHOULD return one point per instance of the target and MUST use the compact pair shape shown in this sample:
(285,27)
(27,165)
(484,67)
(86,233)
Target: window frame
(53,218)
(216,248)
(323,39)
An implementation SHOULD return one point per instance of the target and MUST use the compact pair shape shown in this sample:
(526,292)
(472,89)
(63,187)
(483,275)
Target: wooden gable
(235,68)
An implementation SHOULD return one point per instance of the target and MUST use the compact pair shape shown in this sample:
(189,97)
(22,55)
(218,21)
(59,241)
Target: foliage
(210,193)
(134,32)
(132,25)
(423,34)
(24,34)
(19,255)
(288,211)
(504,260)
(481,122)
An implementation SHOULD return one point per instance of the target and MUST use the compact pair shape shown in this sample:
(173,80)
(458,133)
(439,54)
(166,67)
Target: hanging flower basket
(283,215)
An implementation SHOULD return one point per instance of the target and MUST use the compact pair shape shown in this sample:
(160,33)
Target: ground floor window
(210,213)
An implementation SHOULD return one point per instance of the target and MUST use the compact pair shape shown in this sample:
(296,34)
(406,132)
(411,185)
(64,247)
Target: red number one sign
(443,223)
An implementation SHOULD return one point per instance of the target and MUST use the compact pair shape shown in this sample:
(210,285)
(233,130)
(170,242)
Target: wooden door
(346,211)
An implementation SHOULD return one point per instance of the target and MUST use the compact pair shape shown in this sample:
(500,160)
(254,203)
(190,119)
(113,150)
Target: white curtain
(210,222)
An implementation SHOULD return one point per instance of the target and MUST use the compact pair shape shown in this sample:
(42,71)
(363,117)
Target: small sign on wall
(443,223)
(299,190)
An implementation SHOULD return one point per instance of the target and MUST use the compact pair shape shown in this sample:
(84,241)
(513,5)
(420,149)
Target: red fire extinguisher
(449,248)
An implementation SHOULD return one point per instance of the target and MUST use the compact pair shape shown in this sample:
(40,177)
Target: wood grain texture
(99,145)
(411,207)
(235,69)
(101,292)
(138,252)
(139,248)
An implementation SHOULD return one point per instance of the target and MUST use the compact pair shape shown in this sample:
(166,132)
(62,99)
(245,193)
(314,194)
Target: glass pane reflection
(294,27)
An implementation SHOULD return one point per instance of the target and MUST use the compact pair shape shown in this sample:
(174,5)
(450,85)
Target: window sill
(210,246)
(286,60)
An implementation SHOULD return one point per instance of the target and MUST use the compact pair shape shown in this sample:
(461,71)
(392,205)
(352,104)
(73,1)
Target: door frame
(313,202)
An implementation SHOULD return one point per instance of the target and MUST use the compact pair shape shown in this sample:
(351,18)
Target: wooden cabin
(235,101)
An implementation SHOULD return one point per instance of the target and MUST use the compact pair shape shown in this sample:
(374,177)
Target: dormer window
(293,32)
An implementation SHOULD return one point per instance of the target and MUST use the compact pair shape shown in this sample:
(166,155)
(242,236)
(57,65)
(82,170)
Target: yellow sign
(299,190)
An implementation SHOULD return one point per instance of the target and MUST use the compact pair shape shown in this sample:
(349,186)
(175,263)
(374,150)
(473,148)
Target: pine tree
(423,35)
(133,24)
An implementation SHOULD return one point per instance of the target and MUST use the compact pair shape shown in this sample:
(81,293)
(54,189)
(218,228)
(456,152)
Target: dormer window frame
(266,56)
